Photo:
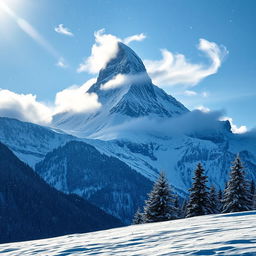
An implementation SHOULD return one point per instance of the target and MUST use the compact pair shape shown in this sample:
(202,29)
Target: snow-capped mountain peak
(126,62)
(126,92)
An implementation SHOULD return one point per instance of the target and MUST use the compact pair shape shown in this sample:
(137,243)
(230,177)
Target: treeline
(162,204)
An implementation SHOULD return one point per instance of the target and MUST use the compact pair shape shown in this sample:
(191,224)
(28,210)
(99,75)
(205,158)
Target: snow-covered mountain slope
(103,180)
(178,157)
(226,234)
(30,142)
(132,97)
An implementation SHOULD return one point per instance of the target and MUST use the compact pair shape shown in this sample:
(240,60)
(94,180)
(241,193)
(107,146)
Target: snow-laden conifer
(160,203)
(199,203)
(237,196)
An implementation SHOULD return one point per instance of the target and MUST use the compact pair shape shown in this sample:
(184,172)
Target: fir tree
(237,196)
(214,202)
(138,217)
(252,187)
(179,213)
(220,195)
(199,203)
(160,204)
(253,195)
(184,208)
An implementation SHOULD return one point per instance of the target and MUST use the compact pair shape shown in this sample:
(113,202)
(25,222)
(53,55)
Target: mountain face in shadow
(31,209)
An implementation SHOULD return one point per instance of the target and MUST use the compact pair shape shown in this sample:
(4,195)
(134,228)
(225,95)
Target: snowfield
(223,234)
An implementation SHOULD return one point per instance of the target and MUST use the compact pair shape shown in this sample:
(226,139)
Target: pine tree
(252,187)
(220,195)
(160,204)
(253,195)
(138,217)
(184,208)
(199,203)
(179,213)
(237,196)
(214,202)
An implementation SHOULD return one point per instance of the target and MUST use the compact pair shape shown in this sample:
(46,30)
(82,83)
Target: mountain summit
(126,92)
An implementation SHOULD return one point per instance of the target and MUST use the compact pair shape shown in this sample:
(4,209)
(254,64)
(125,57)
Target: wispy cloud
(190,93)
(194,93)
(61,63)
(103,50)
(138,37)
(124,80)
(175,69)
(63,30)
(203,109)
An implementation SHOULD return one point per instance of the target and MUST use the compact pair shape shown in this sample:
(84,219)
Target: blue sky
(27,67)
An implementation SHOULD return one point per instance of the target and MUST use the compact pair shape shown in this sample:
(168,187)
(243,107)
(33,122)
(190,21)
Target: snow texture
(225,234)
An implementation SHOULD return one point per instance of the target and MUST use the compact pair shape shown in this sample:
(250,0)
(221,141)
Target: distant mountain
(31,209)
(107,182)
(30,142)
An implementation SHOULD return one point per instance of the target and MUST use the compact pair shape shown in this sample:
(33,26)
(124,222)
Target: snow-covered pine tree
(160,203)
(184,208)
(237,196)
(254,202)
(179,213)
(214,202)
(253,195)
(252,187)
(199,203)
(138,217)
(220,195)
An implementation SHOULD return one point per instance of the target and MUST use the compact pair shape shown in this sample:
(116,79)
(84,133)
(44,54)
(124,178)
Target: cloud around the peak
(63,30)
(76,99)
(103,50)
(138,37)
(175,69)
(121,80)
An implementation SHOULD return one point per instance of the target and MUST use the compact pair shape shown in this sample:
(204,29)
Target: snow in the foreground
(229,234)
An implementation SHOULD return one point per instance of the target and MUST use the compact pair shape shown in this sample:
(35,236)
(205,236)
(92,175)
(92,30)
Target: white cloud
(61,63)
(117,81)
(190,93)
(203,109)
(138,37)
(194,93)
(76,99)
(175,69)
(124,80)
(104,49)
(205,94)
(234,127)
(62,30)
(24,107)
